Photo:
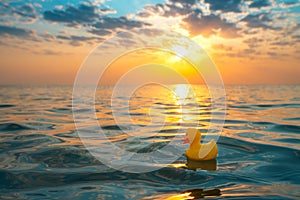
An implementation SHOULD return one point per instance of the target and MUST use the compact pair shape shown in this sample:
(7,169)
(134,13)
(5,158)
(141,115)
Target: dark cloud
(260,20)
(260,3)
(184,2)
(99,32)
(291,2)
(76,40)
(222,47)
(108,25)
(166,10)
(283,43)
(254,42)
(14,31)
(85,13)
(5,9)
(76,37)
(111,23)
(50,52)
(276,54)
(25,13)
(93,17)
(209,25)
(225,5)
(194,19)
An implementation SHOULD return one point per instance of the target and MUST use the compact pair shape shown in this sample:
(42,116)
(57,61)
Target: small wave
(13,127)
(84,110)
(192,105)
(71,134)
(60,110)
(137,114)
(250,135)
(161,137)
(288,105)
(42,126)
(231,121)
(239,107)
(170,131)
(237,144)
(165,104)
(152,147)
(6,105)
(29,136)
(115,127)
(237,127)
(292,119)
(173,113)
(212,120)
(286,128)
(64,157)
(295,99)
(262,123)
(289,140)
(41,99)
(29,141)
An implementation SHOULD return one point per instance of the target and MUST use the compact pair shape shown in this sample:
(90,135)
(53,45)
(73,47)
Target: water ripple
(42,157)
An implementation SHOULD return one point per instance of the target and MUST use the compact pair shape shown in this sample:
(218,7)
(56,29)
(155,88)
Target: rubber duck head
(199,151)
(191,135)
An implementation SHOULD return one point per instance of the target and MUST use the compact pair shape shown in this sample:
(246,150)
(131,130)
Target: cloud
(84,14)
(5,9)
(283,43)
(222,47)
(209,25)
(166,10)
(50,52)
(290,2)
(192,16)
(93,17)
(259,4)
(260,20)
(25,13)
(14,31)
(108,25)
(254,42)
(173,8)
(184,2)
(100,32)
(111,23)
(225,5)
(76,40)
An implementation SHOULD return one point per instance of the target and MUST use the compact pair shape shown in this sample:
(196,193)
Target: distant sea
(42,156)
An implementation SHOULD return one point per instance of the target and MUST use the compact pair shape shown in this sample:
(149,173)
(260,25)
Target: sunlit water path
(42,156)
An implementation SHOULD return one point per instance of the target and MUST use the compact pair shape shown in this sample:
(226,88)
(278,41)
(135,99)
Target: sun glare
(182,91)
(180,52)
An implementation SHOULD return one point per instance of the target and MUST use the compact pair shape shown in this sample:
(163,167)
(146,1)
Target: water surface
(42,156)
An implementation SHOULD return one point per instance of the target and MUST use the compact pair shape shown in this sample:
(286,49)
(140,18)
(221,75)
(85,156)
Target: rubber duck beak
(186,140)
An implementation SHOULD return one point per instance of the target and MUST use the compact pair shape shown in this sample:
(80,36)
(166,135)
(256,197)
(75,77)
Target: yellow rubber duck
(198,151)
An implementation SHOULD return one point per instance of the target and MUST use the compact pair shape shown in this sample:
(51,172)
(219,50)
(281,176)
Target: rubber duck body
(198,151)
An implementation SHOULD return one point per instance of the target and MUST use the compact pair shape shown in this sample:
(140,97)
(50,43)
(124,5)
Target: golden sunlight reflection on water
(259,146)
(158,110)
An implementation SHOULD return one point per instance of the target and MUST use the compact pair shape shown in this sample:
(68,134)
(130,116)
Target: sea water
(43,157)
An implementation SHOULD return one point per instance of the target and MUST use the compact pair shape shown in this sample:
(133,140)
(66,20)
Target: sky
(250,41)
